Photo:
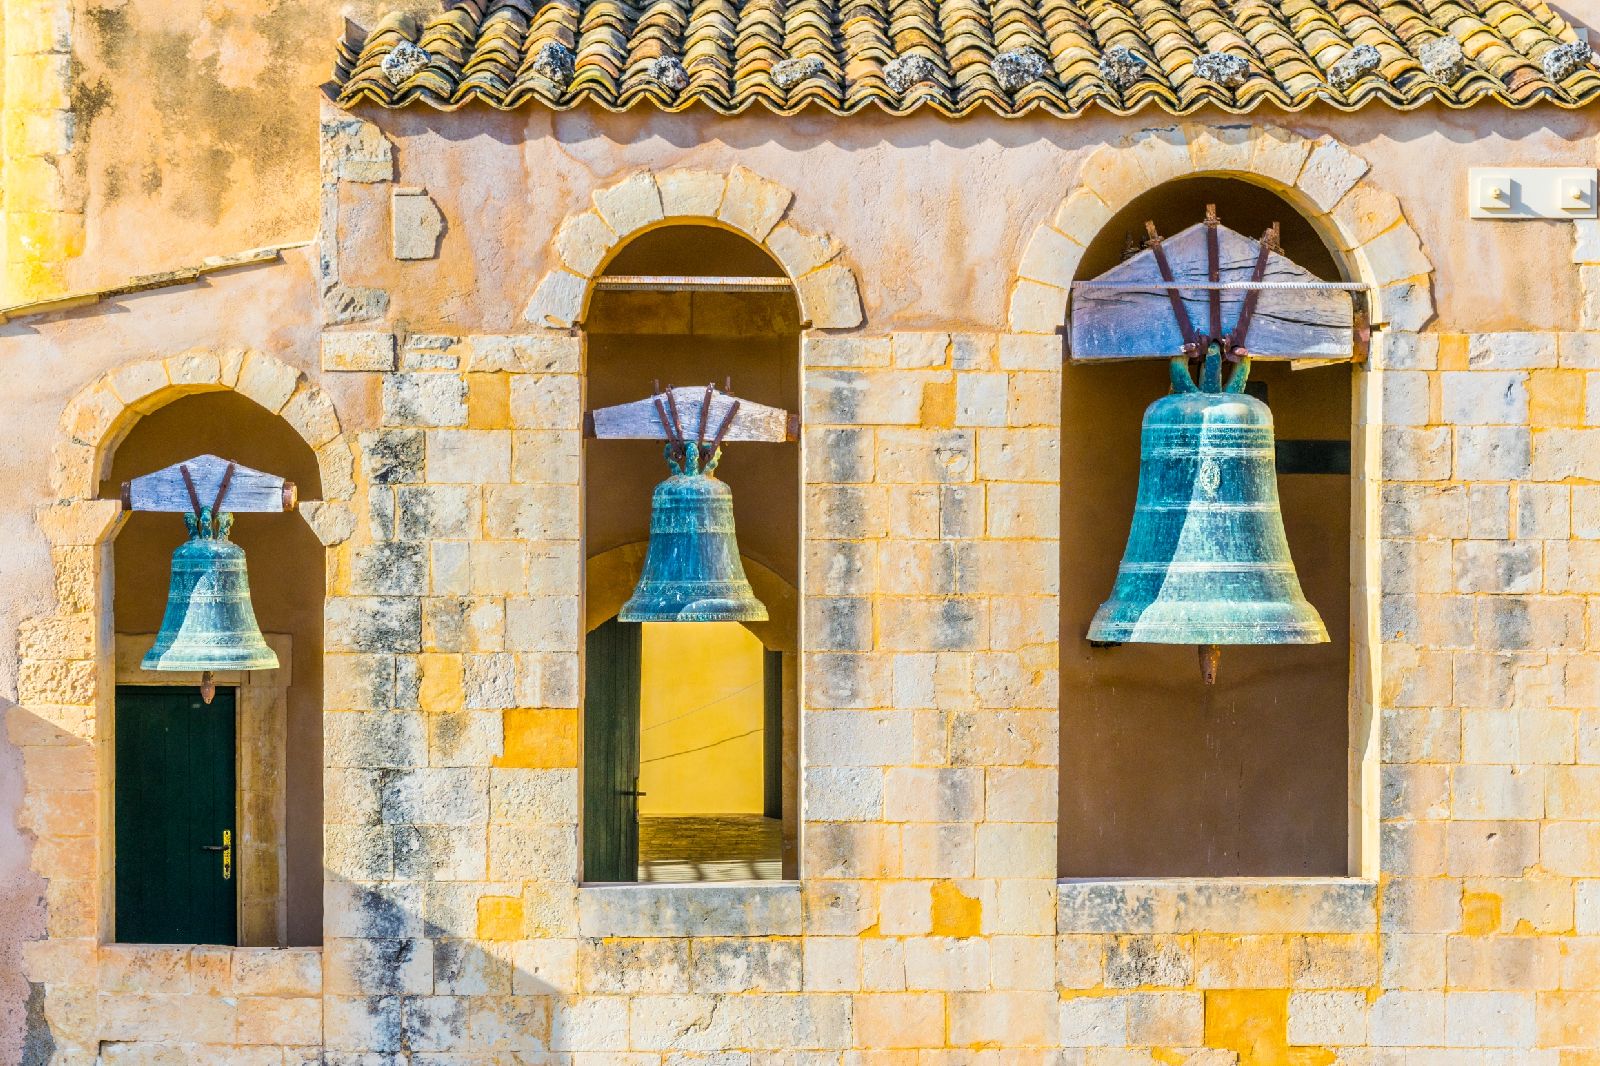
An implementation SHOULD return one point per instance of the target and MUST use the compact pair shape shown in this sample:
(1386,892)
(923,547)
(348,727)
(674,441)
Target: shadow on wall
(24,1034)
(452,969)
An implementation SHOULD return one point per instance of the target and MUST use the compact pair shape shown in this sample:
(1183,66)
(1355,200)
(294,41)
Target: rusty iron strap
(188,483)
(1247,310)
(1213,272)
(222,490)
(1191,343)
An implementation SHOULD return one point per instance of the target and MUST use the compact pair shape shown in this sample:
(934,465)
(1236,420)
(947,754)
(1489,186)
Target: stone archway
(97,419)
(740,200)
(613,574)
(1320,178)
(66,671)
(1364,226)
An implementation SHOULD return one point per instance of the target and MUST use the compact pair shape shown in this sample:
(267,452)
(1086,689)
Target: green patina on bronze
(1207,561)
(209,623)
(692,571)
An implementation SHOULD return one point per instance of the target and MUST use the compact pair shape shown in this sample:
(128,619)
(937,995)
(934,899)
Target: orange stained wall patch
(1254,1023)
(954,912)
(542,739)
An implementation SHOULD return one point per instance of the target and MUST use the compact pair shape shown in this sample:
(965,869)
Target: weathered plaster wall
(700,720)
(935,212)
(146,135)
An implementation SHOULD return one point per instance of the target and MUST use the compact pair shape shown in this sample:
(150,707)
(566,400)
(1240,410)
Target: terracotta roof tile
(741,54)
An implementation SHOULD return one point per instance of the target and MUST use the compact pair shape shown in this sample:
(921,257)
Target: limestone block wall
(929,733)
(927,927)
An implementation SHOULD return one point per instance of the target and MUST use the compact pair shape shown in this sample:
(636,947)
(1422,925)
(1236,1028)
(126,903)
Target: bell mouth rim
(195,666)
(1296,634)
(687,615)
(735,608)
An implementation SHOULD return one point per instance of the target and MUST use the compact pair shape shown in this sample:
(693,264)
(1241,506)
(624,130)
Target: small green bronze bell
(692,571)
(1207,561)
(209,624)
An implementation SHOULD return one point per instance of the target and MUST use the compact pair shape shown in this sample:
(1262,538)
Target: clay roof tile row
(486,51)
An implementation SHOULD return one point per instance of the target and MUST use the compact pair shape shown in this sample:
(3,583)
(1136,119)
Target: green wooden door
(772,734)
(611,753)
(176,856)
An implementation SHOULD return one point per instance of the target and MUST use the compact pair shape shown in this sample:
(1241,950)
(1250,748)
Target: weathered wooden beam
(639,420)
(689,283)
(1125,313)
(248,490)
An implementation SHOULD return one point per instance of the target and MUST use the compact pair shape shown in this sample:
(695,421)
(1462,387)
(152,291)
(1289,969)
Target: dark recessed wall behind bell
(1161,775)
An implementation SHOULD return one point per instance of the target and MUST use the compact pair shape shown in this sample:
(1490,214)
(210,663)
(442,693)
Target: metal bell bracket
(663,414)
(686,456)
(247,490)
(1197,346)
(177,488)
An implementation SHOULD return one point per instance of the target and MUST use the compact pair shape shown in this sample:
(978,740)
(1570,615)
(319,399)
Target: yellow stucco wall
(700,719)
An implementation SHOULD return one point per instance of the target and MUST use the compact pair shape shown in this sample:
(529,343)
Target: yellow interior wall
(700,710)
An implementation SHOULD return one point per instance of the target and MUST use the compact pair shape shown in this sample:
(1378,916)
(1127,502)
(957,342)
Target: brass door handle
(631,792)
(226,847)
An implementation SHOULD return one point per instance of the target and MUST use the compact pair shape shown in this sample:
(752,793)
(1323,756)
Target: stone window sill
(242,971)
(1217,905)
(702,908)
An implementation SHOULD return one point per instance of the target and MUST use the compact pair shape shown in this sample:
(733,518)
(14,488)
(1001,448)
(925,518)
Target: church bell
(209,624)
(1207,562)
(692,571)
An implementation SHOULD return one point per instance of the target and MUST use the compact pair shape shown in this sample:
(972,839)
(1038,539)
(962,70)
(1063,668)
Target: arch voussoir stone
(97,419)
(1321,178)
(740,200)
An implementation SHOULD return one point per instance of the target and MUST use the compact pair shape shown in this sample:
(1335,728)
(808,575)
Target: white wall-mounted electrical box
(1531,192)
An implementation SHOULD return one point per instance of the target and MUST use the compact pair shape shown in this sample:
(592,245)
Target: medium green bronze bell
(209,624)
(692,571)
(1207,562)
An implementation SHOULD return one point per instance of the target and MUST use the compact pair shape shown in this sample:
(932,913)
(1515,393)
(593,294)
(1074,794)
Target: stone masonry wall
(927,928)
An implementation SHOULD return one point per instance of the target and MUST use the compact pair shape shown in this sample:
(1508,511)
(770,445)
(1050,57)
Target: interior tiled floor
(727,847)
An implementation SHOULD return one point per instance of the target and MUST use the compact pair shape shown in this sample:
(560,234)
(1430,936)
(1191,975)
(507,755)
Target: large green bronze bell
(692,571)
(209,624)
(1207,562)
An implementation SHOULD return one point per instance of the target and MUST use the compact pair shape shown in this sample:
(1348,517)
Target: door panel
(772,734)
(174,810)
(611,752)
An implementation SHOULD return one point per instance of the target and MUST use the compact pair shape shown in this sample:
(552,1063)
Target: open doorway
(689,727)
(697,746)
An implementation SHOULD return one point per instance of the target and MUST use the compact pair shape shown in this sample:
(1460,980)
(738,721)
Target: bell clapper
(208,687)
(1210,658)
